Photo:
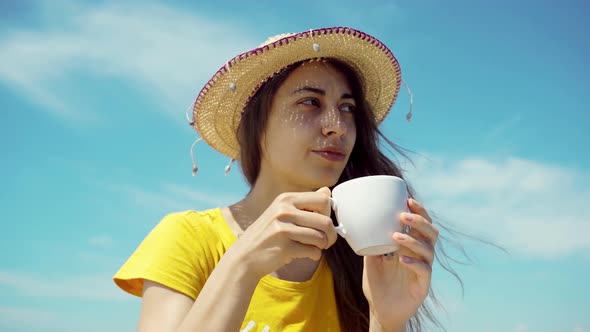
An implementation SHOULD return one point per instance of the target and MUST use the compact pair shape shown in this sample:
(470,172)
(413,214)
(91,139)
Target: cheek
(283,138)
(295,127)
(294,119)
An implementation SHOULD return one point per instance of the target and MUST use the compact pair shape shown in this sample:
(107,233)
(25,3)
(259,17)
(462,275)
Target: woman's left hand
(395,286)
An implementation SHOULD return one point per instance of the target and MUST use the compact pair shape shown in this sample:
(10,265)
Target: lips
(331,153)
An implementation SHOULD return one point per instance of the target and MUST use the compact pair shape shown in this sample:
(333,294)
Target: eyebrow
(320,92)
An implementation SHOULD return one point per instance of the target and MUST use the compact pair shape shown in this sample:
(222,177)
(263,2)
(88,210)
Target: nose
(333,123)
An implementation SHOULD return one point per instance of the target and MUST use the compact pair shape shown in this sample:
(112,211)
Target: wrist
(237,265)
(375,326)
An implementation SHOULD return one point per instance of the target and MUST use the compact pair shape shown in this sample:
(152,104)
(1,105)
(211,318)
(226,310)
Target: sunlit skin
(311,110)
(283,225)
(311,116)
(310,132)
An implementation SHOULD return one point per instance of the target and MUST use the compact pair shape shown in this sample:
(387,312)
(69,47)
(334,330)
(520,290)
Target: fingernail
(401,236)
(406,259)
(408,217)
(417,203)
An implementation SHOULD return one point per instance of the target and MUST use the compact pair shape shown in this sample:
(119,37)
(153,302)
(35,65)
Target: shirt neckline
(230,238)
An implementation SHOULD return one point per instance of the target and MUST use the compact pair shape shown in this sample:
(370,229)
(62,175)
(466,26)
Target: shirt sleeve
(176,254)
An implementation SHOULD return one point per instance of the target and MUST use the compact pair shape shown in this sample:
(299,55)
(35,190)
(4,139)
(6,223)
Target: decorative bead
(195,169)
(409,117)
(232,86)
(228,167)
(316,47)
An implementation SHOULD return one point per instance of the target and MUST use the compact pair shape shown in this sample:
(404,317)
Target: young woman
(300,115)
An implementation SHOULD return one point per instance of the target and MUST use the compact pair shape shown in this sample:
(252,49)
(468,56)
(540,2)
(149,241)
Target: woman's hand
(395,286)
(295,225)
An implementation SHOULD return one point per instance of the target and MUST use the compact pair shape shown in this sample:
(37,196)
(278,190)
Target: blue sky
(95,146)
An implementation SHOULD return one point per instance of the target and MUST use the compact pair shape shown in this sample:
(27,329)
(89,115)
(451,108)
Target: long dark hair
(366,159)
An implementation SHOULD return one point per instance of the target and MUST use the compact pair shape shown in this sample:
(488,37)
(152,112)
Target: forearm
(223,301)
(375,326)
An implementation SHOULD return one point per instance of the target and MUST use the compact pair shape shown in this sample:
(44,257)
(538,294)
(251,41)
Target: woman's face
(311,130)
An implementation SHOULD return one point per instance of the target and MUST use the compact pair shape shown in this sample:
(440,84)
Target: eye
(310,102)
(349,108)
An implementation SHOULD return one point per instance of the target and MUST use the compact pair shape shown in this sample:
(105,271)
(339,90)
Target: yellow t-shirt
(184,248)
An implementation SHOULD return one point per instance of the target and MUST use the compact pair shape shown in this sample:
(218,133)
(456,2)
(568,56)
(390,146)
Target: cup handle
(340,228)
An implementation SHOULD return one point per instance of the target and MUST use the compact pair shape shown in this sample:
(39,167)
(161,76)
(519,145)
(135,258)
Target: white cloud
(92,287)
(12,317)
(97,259)
(531,208)
(173,197)
(101,241)
(168,53)
(197,196)
(580,328)
(496,132)
(34,319)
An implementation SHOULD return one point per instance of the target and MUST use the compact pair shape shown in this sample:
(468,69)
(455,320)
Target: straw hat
(219,105)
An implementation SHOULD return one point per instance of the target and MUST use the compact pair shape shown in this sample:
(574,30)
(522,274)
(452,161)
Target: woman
(300,114)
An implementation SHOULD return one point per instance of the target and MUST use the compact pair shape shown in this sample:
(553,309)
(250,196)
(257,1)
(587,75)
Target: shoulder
(190,221)
(202,230)
(180,252)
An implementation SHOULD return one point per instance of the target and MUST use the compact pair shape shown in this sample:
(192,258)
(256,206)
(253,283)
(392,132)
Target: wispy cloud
(173,197)
(98,259)
(16,318)
(580,328)
(532,208)
(101,241)
(91,287)
(163,51)
(192,195)
(502,128)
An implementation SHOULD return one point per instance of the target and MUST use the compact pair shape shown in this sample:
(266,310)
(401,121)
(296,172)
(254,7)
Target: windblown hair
(366,159)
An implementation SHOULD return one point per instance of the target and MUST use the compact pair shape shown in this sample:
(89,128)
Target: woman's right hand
(295,225)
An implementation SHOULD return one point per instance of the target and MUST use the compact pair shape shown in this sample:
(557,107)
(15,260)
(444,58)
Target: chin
(325,180)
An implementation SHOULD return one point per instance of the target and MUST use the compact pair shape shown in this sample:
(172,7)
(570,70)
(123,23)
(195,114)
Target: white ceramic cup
(368,212)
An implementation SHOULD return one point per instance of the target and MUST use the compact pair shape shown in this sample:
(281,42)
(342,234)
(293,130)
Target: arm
(221,305)
(374,326)
(287,230)
(396,286)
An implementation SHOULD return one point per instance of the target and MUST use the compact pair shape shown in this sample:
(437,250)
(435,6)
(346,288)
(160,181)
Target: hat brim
(219,105)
